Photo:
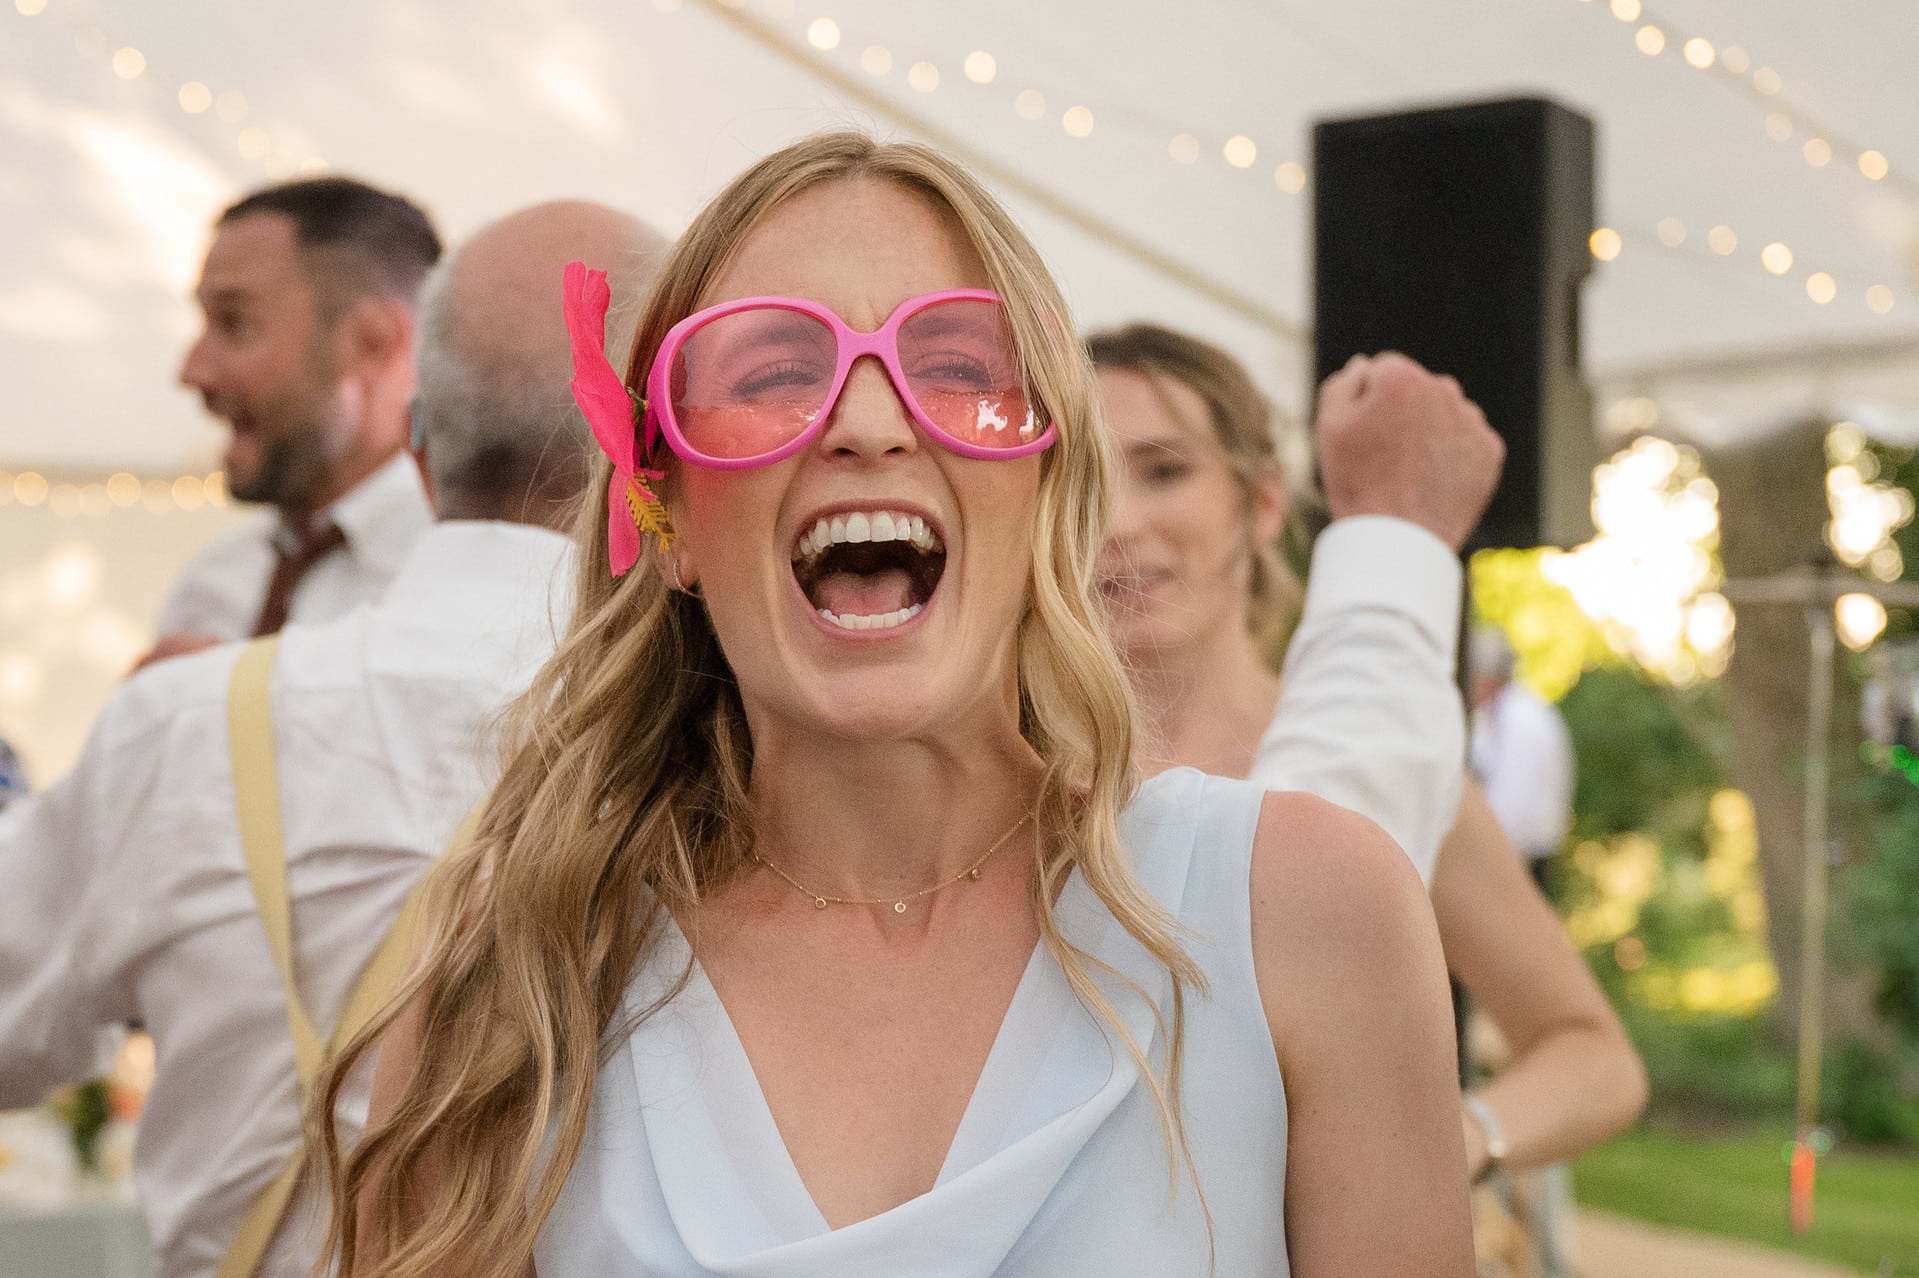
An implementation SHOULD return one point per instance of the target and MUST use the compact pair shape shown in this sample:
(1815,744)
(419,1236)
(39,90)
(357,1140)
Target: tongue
(864,594)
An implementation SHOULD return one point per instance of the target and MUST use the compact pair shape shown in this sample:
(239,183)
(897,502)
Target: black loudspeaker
(1459,235)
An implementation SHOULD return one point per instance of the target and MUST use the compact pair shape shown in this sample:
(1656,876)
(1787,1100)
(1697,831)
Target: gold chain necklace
(971,872)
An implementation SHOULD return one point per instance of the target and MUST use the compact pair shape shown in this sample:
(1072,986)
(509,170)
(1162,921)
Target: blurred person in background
(1196,593)
(308,295)
(130,889)
(1522,756)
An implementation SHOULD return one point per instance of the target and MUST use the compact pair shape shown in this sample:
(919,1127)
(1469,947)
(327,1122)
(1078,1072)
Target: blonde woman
(816,926)
(1197,595)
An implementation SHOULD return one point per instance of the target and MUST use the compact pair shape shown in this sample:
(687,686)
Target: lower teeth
(883,621)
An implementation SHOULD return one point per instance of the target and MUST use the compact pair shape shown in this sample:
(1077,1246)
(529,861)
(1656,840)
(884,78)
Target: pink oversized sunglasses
(750,382)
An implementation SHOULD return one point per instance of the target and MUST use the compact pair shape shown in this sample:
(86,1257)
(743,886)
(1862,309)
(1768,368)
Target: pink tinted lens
(748,383)
(963,369)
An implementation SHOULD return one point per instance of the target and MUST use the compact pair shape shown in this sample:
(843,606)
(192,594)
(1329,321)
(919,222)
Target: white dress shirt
(126,897)
(221,589)
(1523,759)
(1369,716)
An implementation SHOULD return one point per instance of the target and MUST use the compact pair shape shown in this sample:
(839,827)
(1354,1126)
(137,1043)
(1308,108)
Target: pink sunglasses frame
(850,345)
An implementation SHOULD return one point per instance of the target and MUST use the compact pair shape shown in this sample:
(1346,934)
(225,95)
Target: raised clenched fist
(1395,439)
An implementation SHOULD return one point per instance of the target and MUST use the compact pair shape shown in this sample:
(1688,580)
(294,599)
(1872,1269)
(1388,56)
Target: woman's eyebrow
(1159,444)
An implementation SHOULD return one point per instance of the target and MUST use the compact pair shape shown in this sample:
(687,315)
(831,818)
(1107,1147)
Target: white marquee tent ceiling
(107,184)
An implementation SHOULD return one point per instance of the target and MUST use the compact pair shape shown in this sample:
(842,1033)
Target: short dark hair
(356,240)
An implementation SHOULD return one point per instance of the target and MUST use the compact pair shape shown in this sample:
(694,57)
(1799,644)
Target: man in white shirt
(126,896)
(308,295)
(1522,756)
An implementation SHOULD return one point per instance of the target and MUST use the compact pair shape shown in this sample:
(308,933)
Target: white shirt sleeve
(1370,717)
(68,915)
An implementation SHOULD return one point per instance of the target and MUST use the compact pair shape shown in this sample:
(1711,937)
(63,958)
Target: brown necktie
(294,562)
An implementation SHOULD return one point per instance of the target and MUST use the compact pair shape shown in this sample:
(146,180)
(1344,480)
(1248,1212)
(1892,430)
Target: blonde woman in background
(817,925)
(1198,597)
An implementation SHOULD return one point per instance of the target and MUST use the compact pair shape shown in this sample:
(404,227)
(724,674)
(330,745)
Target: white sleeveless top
(1057,1169)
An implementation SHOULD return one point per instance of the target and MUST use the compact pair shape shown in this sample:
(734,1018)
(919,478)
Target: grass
(1866,1206)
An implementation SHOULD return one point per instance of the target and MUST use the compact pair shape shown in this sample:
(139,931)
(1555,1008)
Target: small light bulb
(1240,151)
(981,67)
(1605,243)
(1860,619)
(1699,52)
(1821,287)
(1776,257)
(823,34)
(1873,165)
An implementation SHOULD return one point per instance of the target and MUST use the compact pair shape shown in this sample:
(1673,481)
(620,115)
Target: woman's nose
(869,419)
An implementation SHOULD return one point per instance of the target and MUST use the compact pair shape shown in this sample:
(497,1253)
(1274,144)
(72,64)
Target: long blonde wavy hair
(624,799)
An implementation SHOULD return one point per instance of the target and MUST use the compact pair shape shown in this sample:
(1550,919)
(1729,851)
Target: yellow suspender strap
(256,790)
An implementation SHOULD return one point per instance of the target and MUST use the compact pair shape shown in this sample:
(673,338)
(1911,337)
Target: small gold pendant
(819,902)
(899,907)
(973,874)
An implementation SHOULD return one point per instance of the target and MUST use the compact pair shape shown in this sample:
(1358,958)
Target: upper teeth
(878,525)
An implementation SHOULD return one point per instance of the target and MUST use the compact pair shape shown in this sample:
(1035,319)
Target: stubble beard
(311,435)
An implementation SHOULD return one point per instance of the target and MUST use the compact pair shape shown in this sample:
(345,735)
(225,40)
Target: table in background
(82,1240)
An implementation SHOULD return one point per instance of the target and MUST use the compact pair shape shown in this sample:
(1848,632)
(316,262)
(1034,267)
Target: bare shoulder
(1316,860)
(1338,913)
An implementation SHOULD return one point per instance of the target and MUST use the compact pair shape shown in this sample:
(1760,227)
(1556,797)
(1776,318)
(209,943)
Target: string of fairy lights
(1652,36)
(1733,64)
(1784,121)
(122,491)
(277,157)
(275,151)
(1765,86)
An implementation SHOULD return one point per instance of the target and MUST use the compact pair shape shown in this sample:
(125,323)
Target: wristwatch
(1495,1135)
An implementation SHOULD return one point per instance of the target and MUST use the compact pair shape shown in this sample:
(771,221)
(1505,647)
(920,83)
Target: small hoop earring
(680,585)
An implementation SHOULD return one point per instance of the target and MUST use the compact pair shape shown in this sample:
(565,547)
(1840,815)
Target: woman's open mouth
(869,570)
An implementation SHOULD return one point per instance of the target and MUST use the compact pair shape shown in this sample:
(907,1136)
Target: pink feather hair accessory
(632,508)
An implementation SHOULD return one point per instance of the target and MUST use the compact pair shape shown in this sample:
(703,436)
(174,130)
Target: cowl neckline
(1053,1076)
